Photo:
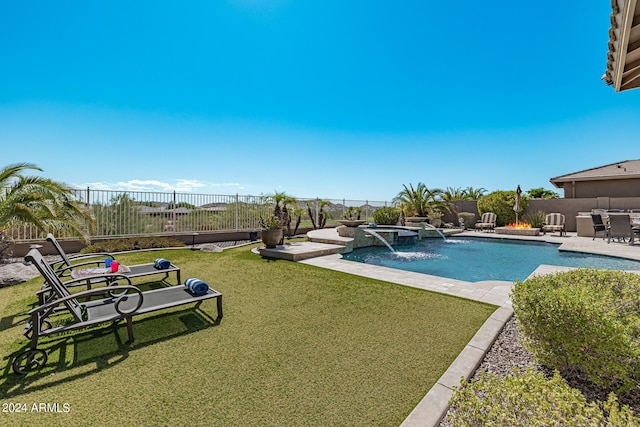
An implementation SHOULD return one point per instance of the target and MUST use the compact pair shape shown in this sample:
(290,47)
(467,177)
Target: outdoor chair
(77,260)
(487,221)
(116,302)
(68,268)
(620,227)
(554,222)
(599,226)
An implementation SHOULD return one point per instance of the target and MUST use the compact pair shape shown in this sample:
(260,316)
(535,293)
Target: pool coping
(434,405)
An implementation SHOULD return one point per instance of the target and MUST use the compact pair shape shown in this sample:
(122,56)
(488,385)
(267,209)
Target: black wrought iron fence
(134,213)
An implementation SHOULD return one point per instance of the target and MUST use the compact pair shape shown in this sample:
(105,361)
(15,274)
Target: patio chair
(77,260)
(619,227)
(487,221)
(68,268)
(599,226)
(554,222)
(117,302)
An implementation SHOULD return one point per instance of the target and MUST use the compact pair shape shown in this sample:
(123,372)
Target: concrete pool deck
(435,403)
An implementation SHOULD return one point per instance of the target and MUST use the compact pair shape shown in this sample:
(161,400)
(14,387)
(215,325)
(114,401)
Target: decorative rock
(17,272)
(210,247)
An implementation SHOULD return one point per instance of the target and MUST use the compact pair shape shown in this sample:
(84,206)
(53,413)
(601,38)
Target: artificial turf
(298,345)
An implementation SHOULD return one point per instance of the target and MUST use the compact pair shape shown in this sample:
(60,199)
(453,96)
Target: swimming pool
(475,259)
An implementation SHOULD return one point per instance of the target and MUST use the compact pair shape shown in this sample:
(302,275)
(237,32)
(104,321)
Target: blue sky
(330,99)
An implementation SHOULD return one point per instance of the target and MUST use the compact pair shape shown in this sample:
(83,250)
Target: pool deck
(324,249)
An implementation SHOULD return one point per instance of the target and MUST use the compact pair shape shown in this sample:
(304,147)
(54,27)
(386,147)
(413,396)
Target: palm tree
(452,194)
(421,201)
(323,214)
(474,193)
(40,201)
(298,213)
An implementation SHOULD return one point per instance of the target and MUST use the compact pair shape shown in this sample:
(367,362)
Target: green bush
(584,319)
(501,203)
(386,215)
(468,218)
(132,243)
(535,218)
(530,399)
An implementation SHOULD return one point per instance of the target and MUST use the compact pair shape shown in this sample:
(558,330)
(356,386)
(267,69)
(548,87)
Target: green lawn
(298,345)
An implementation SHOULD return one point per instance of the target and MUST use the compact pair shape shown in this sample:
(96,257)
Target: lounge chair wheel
(44,325)
(30,360)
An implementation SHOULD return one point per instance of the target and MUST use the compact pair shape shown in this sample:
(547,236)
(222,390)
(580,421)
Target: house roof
(619,170)
(623,58)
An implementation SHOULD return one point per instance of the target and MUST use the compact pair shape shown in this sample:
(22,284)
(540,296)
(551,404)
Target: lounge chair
(487,221)
(80,260)
(554,222)
(599,226)
(68,268)
(619,227)
(118,302)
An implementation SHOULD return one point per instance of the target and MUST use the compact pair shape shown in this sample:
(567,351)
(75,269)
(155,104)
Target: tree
(47,204)
(298,213)
(451,194)
(323,214)
(421,201)
(501,203)
(542,193)
(474,193)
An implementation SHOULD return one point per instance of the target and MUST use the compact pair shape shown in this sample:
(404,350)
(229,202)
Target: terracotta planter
(271,237)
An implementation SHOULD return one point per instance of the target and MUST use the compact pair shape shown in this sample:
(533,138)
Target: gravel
(507,354)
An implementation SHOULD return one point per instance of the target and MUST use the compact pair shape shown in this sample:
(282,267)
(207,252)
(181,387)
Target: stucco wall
(568,207)
(609,188)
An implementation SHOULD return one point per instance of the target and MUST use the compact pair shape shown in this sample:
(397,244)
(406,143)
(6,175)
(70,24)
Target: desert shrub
(132,243)
(6,247)
(386,215)
(535,218)
(584,320)
(467,218)
(501,203)
(530,399)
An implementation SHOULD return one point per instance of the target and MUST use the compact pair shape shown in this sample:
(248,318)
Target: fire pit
(519,229)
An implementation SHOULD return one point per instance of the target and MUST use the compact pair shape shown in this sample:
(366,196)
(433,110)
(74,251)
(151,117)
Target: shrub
(386,215)
(531,399)
(132,243)
(6,247)
(586,320)
(501,203)
(467,218)
(535,218)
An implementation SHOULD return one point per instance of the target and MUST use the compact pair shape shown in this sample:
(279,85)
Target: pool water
(476,259)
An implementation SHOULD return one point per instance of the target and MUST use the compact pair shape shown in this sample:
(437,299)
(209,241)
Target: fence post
(175,226)
(237,212)
(366,210)
(88,205)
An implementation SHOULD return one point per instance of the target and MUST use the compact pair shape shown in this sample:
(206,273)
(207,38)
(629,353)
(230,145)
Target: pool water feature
(379,237)
(477,259)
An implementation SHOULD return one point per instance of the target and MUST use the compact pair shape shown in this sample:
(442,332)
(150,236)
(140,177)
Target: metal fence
(128,213)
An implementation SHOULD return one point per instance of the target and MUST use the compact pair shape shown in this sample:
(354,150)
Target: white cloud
(180,185)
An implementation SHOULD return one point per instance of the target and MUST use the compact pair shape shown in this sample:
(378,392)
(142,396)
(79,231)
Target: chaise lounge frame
(117,302)
(66,266)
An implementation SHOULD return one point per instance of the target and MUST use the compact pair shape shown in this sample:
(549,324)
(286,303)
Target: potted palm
(352,217)
(271,231)
(420,202)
